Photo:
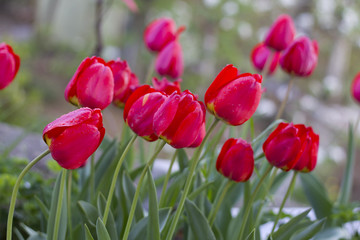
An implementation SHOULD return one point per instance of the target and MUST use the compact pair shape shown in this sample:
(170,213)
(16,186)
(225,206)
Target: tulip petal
(141,91)
(166,113)
(230,142)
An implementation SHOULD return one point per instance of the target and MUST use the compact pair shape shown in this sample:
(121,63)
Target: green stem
(288,192)
(218,200)
(284,101)
(137,192)
(252,198)
(167,177)
(69,203)
(92,177)
(194,162)
(15,191)
(59,205)
(115,176)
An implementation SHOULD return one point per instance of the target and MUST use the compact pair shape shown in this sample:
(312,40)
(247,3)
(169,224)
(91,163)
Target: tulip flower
(74,137)
(355,88)
(180,120)
(260,56)
(169,62)
(140,109)
(234,97)
(288,144)
(125,82)
(92,84)
(236,160)
(300,58)
(167,86)
(281,33)
(9,65)
(159,33)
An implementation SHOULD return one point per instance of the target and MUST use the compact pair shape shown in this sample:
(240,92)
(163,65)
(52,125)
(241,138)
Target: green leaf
(183,159)
(333,234)
(52,213)
(43,208)
(177,184)
(316,194)
(251,235)
(201,188)
(101,231)
(88,235)
(110,224)
(89,212)
(347,180)
(286,230)
(129,190)
(37,236)
(309,231)
(153,229)
(198,222)
(18,234)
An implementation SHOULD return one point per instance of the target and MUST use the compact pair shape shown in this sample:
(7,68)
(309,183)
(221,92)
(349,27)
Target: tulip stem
(59,204)
(69,203)
(288,192)
(252,198)
(137,192)
(284,101)
(92,176)
(218,200)
(194,162)
(15,191)
(115,176)
(167,177)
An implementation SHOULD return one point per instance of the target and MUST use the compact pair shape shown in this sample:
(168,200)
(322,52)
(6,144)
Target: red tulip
(288,144)
(169,61)
(9,65)
(236,160)
(167,86)
(180,120)
(234,97)
(140,109)
(125,82)
(159,33)
(355,88)
(300,58)
(92,84)
(281,33)
(260,55)
(73,137)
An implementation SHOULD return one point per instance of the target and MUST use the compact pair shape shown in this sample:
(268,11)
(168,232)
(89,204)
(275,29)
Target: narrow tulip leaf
(201,188)
(198,222)
(347,180)
(316,194)
(77,232)
(217,232)
(88,235)
(37,236)
(18,234)
(251,235)
(43,208)
(333,234)
(110,224)
(52,213)
(309,231)
(129,189)
(101,231)
(153,229)
(177,184)
(286,230)
(183,159)
(89,212)
(136,172)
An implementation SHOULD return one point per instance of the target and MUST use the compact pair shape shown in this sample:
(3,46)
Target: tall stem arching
(15,191)
(166,180)
(137,192)
(252,198)
(288,192)
(115,176)
(92,176)
(194,162)
(284,101)
(59,204)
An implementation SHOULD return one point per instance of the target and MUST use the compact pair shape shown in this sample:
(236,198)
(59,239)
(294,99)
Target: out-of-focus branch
(98,21)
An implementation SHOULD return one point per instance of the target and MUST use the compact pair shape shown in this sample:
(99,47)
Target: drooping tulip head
(92,84)
(234,97)
(169,62)
(74,137)
(260,56)
(9,65)
(281,33)
(159,33)
(236,160)
(167,86)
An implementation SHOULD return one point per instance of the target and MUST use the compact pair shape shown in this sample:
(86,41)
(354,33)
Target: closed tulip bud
(140,109)
(300,58)
(180,120)
(74,137)
(281,33)
(159,33)
(260,57)
(236,160)
(234,97)
(355,88)
(125,82)
(92,84)
(9,65)
(169,62)
(166,86)
(286,145)
(308,155)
